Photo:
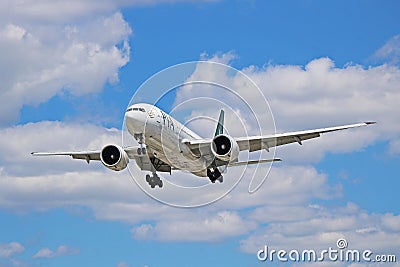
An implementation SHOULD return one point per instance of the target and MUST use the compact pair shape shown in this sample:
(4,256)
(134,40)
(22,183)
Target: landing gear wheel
(141,151)
(157,181)
(214,174)
(154,181)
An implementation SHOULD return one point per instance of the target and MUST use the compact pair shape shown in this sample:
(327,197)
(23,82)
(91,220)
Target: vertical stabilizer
(220,125)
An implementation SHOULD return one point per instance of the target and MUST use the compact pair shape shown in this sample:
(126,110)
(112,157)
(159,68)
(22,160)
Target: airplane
(165,145)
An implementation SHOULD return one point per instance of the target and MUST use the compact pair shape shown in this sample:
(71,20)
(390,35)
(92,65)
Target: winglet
(220,125)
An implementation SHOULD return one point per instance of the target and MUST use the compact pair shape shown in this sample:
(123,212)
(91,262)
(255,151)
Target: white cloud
(361,230)
(390,51)
(307,96)
(282,212)
(196,227)
(54,11)
(317,95)
(46,11)
(57,47)
(394,147)
(143,232)
(122,264)
(61,251)
(18,142)
(60,182)
(11,249)
(41,183)
(73,56)
(391,222)
(52,48)
(224,58)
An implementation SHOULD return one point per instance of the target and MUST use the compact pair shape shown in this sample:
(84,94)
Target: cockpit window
(136,109)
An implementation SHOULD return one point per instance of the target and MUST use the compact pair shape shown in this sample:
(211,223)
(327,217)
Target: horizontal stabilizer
(250,162)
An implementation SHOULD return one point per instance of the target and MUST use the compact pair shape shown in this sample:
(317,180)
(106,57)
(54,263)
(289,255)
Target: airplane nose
(135,121)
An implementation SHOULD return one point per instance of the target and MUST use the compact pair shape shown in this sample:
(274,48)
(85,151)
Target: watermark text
(339,253)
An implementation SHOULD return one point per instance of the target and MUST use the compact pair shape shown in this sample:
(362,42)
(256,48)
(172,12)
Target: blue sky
(70,68)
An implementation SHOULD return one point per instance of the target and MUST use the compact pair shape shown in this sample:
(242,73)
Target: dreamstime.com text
(340,253)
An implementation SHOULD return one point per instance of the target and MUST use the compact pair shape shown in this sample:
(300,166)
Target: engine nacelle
(225,148)
(114,157)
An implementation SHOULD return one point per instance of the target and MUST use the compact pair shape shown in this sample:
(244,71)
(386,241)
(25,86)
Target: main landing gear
(154,180)
(215,175)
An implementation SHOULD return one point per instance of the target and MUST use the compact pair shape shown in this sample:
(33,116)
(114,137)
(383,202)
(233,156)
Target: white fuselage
(164,136)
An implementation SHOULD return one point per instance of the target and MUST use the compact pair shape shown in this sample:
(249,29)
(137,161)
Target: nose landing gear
(141,149)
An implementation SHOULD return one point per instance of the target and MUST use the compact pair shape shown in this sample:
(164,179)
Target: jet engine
(225,148)
(114,157)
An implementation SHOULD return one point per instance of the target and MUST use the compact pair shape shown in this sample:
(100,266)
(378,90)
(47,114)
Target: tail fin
(220,125)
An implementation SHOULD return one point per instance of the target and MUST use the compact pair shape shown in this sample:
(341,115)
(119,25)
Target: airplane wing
(254,143)
(145,162)
(250,162)
(85,155)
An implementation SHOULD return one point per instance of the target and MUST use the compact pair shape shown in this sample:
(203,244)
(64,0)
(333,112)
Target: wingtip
(370,122)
